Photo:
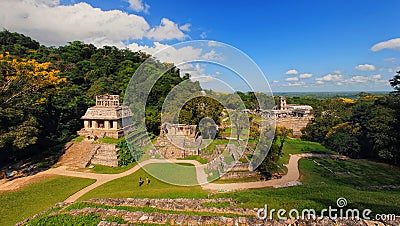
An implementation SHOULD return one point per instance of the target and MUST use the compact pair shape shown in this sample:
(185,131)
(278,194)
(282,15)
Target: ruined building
(178,141)
(105,119)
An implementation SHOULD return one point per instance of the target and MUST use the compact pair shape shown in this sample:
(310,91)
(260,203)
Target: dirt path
(292,176)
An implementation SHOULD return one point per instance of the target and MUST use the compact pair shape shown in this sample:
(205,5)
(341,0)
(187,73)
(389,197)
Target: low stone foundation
(184,212)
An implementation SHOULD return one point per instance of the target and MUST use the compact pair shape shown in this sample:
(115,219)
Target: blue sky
(313,45)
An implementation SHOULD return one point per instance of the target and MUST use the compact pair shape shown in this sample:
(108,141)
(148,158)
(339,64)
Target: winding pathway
(292,176)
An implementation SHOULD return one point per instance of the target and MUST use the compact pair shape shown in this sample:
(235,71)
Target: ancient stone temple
(105,119)
(178,141)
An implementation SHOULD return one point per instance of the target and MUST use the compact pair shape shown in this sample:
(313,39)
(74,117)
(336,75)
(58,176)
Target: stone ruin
(291,116)
(233,169)
(185,212)
(178,141)
(105,119)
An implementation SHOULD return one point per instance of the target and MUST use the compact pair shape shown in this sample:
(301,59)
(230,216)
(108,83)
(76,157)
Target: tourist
(147,181)
(140,181)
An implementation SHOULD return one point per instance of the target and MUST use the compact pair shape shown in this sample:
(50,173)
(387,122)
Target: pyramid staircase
(106,155)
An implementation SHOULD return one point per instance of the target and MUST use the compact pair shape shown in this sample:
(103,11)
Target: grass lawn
(109,140)
(295,146)
(127,187)
(195,157)
(237,180)
(111,170)
(32,199)
(321,189)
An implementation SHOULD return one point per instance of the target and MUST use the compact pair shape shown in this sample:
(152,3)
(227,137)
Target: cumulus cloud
(185,27)
(306,75)
(139,6)
(203,35)
(365,67)
(169,53)
(329,78)
(365,79)
(389,44)
(295,84)
(291,79)
(292,72)
(166,31)
(54,24)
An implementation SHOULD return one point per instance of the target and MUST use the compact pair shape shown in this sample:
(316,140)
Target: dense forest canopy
(45,90)
(367,127)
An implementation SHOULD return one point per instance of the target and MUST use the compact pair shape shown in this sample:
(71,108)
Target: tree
(395,82)
(240,121)
(25,86)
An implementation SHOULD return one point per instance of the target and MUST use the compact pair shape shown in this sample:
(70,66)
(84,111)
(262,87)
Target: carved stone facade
(291,116)
(178,141)
(105,119)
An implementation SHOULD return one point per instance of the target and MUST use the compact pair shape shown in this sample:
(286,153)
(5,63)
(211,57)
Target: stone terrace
(183,212)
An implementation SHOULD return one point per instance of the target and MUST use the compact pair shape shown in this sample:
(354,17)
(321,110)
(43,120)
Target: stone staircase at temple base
(76,154)
(81,154)
(106,155)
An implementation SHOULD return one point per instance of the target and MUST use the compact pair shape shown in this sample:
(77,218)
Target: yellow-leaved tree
(25,86)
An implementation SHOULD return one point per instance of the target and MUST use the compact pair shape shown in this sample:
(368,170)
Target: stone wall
(235,175)
(183,212)
(294,123)
(106,155)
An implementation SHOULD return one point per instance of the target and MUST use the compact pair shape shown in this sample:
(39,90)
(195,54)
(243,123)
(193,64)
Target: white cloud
(275,81)
(329,78)
(214,44)
(212,55)
(295,84)
(169,53)
(203,35)
(319,82)
(390,59)
(365,67)
(292,72)
(378,76)
(139,6)
(54,24)
(292,79)
(167,30)
(185,27)
(306,75)
(337,72)
(389,44)
(364,79)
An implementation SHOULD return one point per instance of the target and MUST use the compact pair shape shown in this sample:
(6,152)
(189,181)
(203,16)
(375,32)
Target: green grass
(66,219)
(127,187)
(195,157)
(237,180)
(148,209)
(79,139)
(357,173)
(181,173)
(321,191)
(111,170)
(109,140)
(27,201)
(296,146)
(217,204)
